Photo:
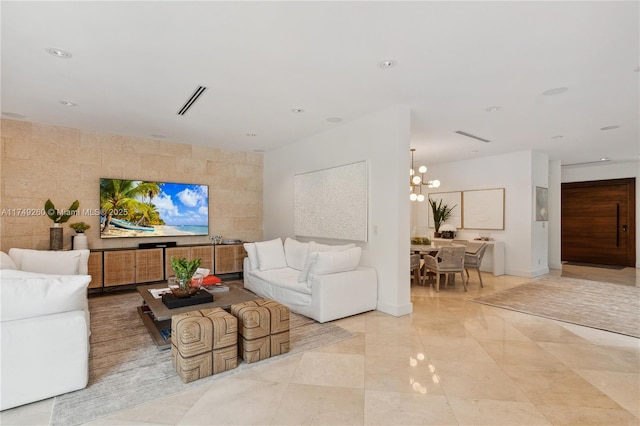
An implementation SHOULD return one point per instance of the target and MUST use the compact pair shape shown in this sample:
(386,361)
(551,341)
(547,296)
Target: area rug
(127,369)
(605,306)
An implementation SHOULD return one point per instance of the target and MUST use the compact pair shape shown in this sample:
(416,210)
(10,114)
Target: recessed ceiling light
(68,103)
(58,53)
(604,159)
(492,109)
(13,115)
(334,119)
(609,127)
(252,135)
(297,110)
(387,63)
(556,91)
(557,137)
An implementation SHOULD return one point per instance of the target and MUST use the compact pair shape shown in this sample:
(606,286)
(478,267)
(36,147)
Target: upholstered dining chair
(416,267)
(448,260)
(460,242)
(473,259)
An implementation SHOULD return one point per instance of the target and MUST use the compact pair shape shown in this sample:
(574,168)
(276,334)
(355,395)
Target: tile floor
(450,362)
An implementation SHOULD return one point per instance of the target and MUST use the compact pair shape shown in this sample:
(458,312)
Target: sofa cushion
(271,255)
(29,294)
(296,253)
(6,262)
(252,254)
(51,262)
(330,262)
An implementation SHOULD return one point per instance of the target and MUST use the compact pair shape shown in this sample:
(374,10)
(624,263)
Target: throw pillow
(313,246)
(52,262)
(296,253)
(330,262)
(252,254)
(27,294)
(271,255)
(6,262)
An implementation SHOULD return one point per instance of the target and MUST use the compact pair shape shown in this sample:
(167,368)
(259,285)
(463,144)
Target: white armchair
(44,319)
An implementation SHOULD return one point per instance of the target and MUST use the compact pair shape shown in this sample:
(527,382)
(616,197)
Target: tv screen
(138,208)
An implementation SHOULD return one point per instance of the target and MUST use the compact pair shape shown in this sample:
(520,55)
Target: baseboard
(395,310)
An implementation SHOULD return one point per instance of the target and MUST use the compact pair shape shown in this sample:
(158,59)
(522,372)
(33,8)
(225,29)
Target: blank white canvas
(332,203)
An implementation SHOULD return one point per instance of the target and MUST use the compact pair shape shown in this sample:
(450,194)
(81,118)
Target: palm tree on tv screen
(119,195)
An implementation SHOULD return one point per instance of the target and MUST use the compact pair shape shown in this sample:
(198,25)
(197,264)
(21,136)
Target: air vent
(469,135)
(192,100)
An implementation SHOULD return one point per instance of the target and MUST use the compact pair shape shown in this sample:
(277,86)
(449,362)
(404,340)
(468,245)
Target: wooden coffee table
(157,317)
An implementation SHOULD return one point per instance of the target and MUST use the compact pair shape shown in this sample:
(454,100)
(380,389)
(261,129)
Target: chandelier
(417,181)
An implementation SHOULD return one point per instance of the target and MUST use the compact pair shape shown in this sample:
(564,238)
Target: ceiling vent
(192,100)
(469,135)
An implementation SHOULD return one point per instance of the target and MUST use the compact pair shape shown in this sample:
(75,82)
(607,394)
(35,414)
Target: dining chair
(416,263)
(448,260)
(442,243)
(460,242)
(473,259)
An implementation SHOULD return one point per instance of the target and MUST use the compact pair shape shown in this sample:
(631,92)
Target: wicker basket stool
(263,325)
(203,343)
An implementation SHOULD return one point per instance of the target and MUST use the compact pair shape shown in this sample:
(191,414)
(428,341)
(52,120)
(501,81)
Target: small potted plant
(441,213)
(55,233)
(80,240)
(185,270)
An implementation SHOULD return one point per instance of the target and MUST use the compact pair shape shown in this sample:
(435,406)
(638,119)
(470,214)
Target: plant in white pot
(80,240)
(441,213)
(58,217)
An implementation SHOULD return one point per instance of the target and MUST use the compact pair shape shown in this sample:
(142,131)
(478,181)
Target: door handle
(618,225)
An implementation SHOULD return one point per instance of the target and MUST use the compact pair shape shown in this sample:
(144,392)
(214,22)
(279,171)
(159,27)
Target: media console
(113,268)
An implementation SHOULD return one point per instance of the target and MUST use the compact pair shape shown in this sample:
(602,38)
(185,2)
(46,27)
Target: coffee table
(157,317)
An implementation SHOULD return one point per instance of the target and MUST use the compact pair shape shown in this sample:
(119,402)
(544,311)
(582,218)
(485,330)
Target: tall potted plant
(441,213)
(55,233)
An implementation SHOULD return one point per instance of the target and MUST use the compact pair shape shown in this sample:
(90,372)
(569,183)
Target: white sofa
(45,324)
(318,281)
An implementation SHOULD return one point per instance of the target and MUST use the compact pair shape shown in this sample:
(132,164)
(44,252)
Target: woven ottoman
(203,343)
(263,328)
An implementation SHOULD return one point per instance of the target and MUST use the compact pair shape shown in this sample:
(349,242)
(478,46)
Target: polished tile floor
(451,362)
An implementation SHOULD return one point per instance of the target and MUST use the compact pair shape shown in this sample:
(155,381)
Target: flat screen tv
(138,208)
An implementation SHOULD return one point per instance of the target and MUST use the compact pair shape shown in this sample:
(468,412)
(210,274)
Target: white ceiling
(135,64)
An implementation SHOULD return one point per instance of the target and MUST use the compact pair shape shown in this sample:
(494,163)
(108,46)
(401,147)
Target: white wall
(603,171)
(524,239)
(382,139)
(554,231)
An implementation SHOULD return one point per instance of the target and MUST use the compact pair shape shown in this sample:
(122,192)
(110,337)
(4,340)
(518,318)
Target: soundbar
(157,245)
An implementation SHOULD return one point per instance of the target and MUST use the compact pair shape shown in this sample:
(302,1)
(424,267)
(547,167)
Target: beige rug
(127,369)
(605,306)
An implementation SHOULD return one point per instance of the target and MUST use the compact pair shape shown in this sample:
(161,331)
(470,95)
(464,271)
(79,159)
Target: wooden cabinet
(149,265)
(229,258)
(205,252)
(119,267)
(123,267)
(95,269)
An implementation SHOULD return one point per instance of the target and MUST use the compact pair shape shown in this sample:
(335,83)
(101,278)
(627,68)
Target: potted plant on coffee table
(185,270)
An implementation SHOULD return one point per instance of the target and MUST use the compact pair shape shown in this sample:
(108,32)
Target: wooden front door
(598,222)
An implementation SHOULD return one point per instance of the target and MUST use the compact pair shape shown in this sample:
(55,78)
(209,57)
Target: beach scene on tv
(136,208)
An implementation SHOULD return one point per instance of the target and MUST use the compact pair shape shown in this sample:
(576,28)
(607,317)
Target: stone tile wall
(39,161)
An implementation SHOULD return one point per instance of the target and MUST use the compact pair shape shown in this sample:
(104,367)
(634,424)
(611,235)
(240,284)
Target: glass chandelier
(416,181)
